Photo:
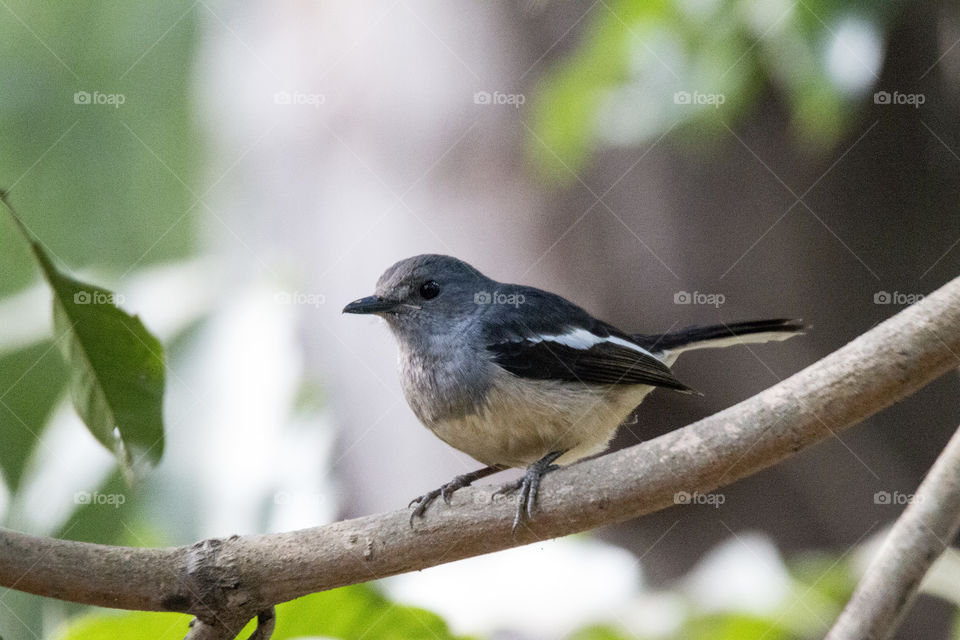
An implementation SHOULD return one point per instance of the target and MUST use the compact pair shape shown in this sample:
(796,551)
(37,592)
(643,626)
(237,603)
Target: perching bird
(519,377)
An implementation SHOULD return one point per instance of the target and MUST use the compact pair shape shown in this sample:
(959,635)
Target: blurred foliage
(693,67)
(827,576)
(735,627)
(100,183)
(350,612)
(31,380)
(800,617)
(116,179)
(130,626)
(92,522)
(95,180)
(730,626)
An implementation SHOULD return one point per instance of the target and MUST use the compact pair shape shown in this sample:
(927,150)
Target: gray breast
(442,382)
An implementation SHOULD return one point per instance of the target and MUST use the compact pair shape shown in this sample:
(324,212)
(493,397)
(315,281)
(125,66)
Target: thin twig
(919,537)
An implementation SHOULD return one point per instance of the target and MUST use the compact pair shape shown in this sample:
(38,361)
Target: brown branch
(222,581)
(918,538)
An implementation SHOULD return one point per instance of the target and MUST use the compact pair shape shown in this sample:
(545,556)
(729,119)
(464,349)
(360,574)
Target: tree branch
(918,538)
(239,577)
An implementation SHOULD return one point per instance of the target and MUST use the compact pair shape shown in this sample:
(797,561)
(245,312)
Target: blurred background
(237,172)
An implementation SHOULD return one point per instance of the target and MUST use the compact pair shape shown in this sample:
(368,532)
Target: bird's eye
(429,290)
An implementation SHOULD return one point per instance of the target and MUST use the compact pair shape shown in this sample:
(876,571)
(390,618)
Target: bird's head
(427,295)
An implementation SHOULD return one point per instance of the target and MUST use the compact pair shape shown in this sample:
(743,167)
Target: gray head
(425,295)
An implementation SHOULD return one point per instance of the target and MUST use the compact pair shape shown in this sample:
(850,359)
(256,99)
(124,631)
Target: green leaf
(102,514)
(601,632)
(138,625)
(356,612)
(735,626)
(116,366)
(823,573)
(31,381)
(350,613)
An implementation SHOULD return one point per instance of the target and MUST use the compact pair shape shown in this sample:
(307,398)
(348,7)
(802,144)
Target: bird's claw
(528,487)
(422,502)
(445,492)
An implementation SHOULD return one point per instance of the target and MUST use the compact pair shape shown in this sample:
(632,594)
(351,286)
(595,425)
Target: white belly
(513,431)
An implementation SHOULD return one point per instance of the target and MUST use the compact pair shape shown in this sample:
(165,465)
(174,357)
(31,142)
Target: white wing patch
(582,339)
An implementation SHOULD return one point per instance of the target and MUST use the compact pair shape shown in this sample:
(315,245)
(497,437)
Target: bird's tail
(669,345)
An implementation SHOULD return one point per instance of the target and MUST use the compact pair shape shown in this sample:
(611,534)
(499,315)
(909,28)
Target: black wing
(518,342)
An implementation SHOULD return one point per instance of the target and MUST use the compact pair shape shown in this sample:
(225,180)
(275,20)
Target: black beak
(371,304)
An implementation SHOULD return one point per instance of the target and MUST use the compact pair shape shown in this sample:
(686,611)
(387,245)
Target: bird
(518,377)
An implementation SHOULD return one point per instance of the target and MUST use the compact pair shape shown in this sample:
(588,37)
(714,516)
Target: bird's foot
(528,486)
(421,503)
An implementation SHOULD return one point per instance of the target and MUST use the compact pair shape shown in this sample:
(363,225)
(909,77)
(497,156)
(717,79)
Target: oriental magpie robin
(519,377)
